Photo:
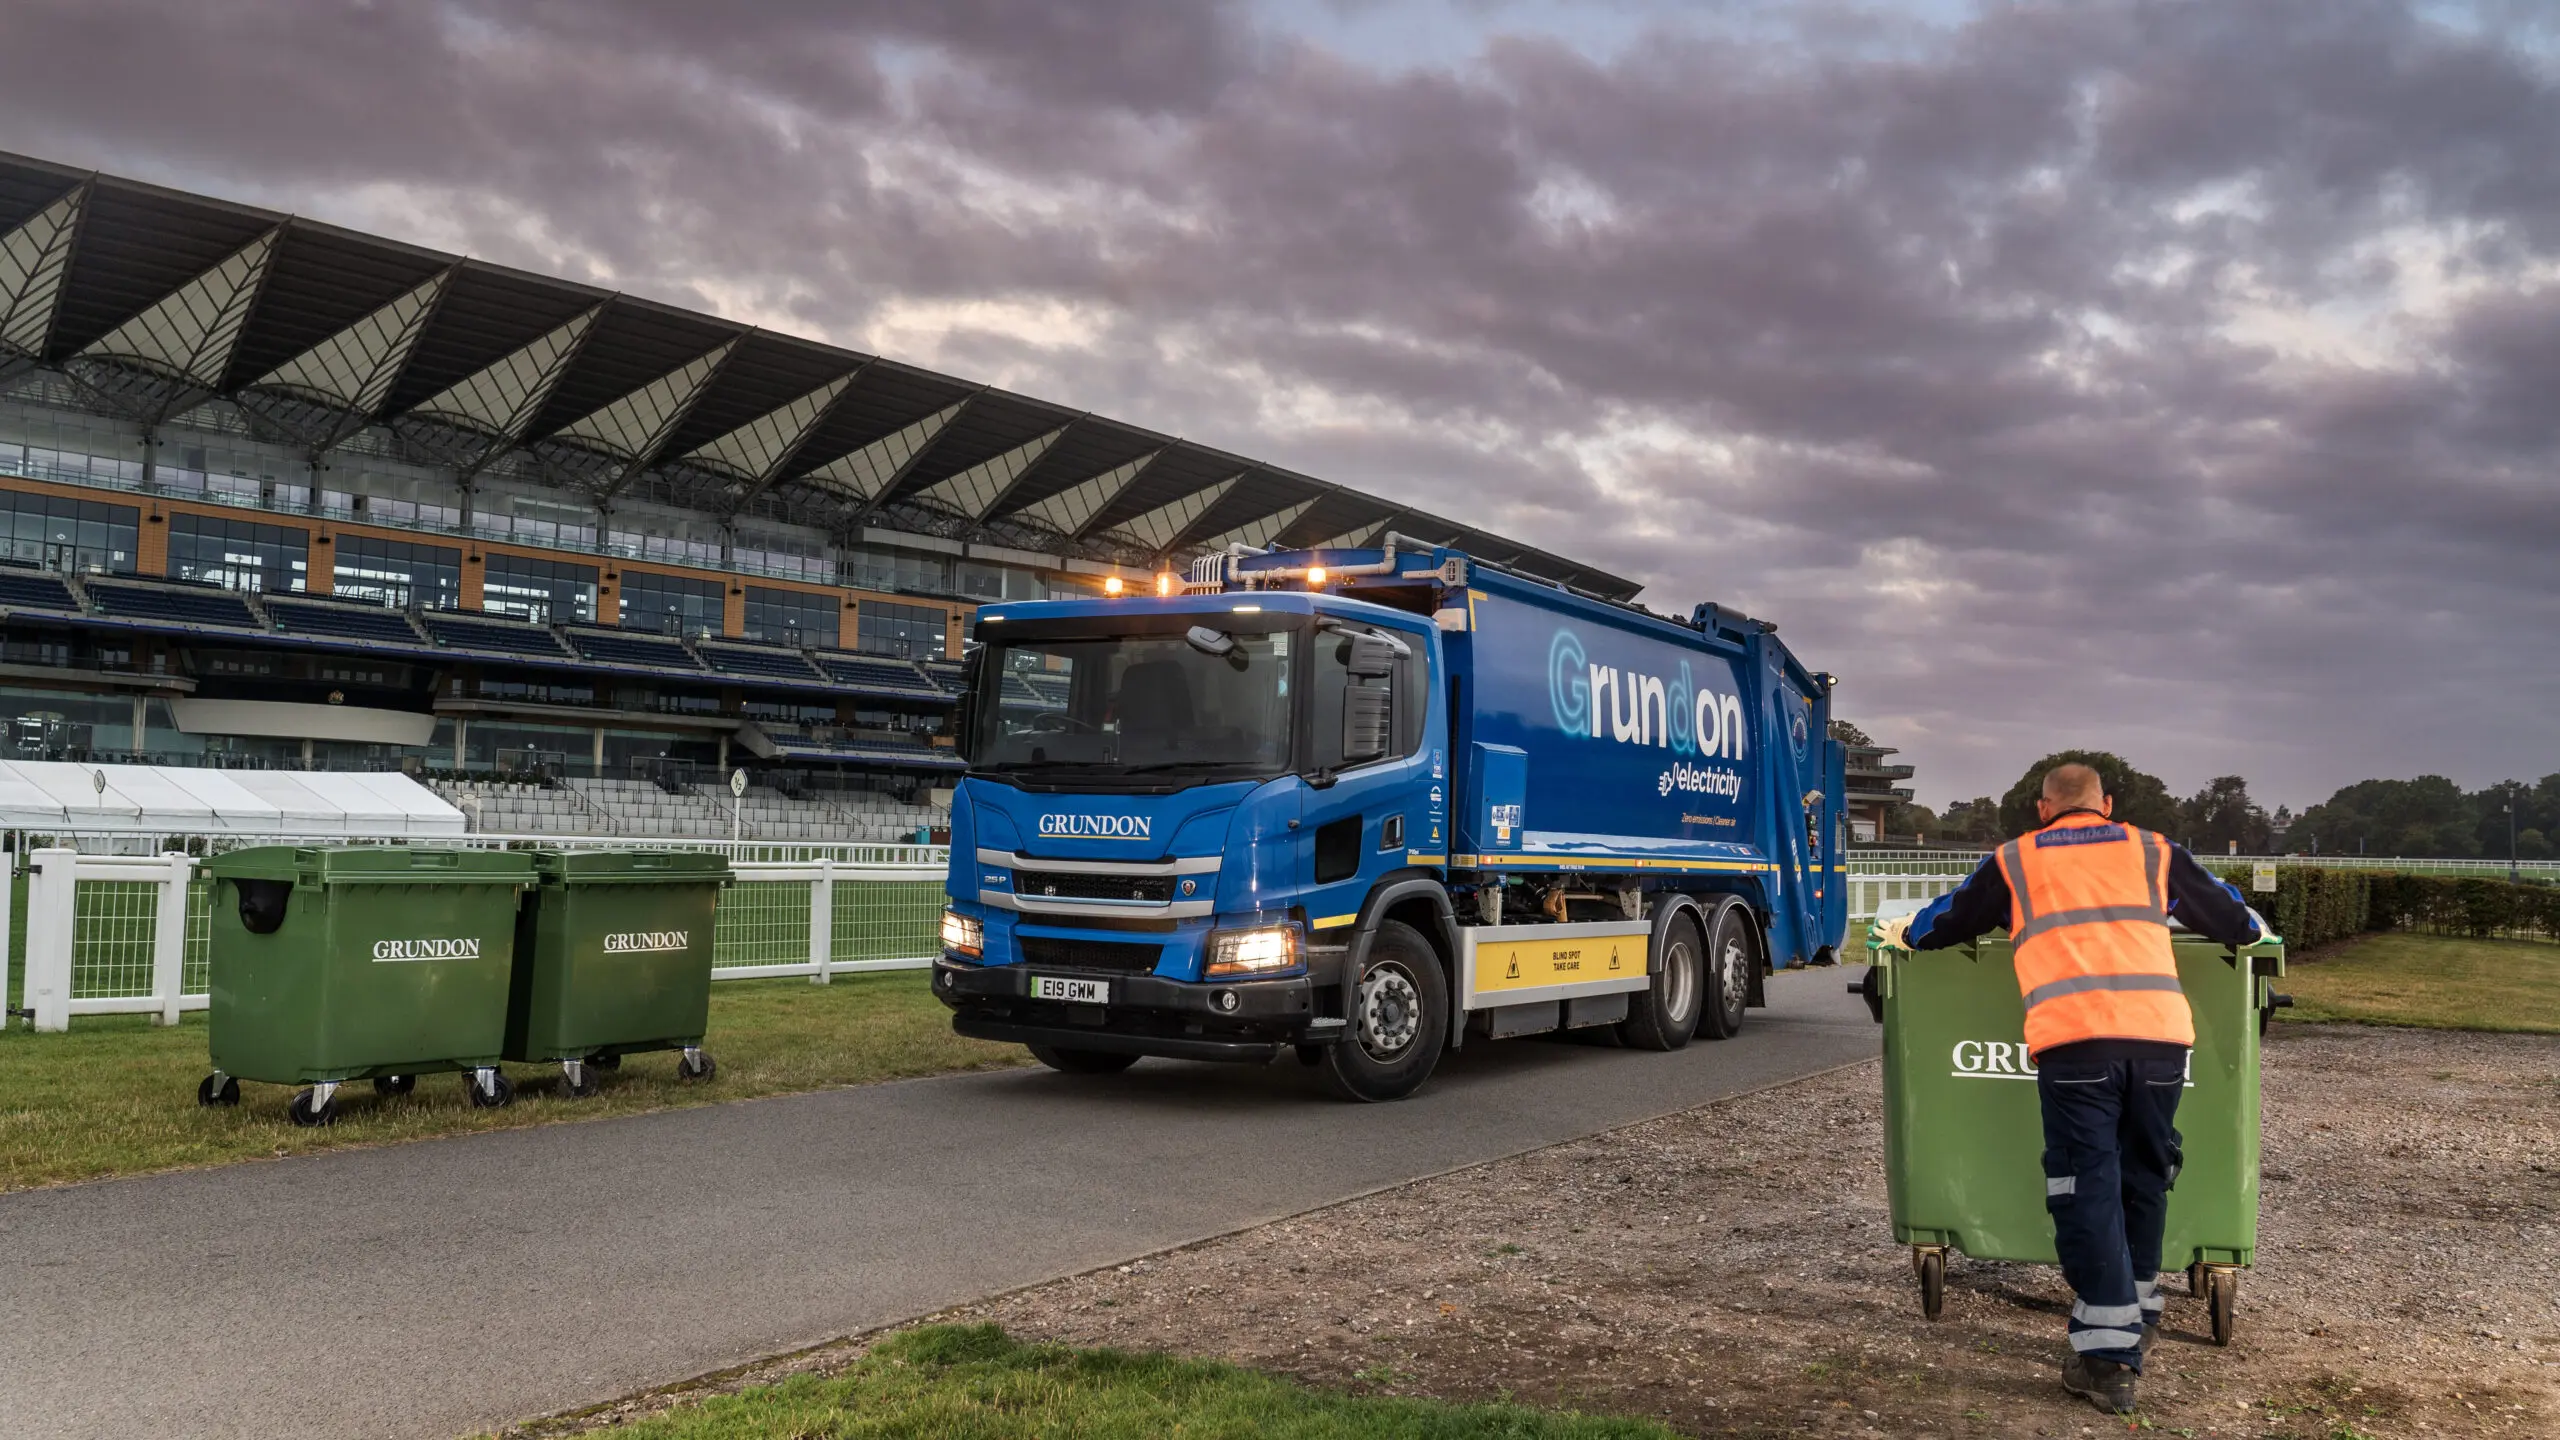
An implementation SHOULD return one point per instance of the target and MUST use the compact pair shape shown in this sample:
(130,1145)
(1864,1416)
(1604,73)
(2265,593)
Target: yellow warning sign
(1533,964)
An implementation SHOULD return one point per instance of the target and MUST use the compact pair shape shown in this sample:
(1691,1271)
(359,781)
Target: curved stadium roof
(155,301)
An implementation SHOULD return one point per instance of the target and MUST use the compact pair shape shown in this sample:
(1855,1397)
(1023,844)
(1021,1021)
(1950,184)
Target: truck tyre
(1730,960)
(1665,1015)
(1399,1004)
(1081,1062)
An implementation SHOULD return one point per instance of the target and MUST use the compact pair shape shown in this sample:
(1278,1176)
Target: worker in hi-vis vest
(2087,903)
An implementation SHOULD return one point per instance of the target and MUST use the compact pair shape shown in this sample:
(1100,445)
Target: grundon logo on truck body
(1094,827)
(467,948)
(1674,712)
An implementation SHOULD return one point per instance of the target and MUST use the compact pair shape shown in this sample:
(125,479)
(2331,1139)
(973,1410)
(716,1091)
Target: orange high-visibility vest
(2089,922)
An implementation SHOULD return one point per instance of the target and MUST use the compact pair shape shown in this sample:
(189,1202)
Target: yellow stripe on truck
(1533,964)
(1332,922)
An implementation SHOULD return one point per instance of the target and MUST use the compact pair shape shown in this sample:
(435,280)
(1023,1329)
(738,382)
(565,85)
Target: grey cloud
(1961,287)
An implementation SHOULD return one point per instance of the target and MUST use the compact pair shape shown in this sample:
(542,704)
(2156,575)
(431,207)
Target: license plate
(1080,992)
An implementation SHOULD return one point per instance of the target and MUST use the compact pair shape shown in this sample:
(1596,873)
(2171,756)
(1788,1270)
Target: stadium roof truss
(154,301)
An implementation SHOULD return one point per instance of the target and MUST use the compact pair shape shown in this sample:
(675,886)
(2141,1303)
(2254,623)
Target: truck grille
(1090,954)
(1082,885)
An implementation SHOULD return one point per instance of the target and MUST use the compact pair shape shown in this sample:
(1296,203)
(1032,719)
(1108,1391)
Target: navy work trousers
(2110,1156)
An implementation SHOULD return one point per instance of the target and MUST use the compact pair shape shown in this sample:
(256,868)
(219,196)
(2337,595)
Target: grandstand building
(275,493)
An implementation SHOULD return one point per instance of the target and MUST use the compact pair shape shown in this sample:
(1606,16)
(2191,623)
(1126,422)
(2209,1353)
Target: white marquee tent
(58,796)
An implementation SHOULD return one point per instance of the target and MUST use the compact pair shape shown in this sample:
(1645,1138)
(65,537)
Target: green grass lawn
(117,1096)
(972,1382)
(2435,981)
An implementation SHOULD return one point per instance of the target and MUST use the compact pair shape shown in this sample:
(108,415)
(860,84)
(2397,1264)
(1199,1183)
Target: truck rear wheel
(1730,960)
(1399,1017)
(1080,1062)
(1665,1015)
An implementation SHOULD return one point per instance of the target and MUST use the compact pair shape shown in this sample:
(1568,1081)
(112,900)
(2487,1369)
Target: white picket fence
(124,934)
(129,934)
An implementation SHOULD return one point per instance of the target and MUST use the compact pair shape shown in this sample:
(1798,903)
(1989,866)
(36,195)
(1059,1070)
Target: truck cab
(1174,813)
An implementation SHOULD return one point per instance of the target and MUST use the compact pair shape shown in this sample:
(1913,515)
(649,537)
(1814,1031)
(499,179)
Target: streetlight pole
(2511,833)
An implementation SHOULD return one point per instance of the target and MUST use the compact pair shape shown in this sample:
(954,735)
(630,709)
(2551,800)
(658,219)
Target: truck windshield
(1091,707)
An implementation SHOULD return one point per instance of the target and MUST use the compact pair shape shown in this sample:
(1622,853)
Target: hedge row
(2449,905)
(2316,905)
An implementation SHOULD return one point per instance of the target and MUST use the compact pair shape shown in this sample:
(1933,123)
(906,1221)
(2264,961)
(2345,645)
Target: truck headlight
(962,935)
(1253,952)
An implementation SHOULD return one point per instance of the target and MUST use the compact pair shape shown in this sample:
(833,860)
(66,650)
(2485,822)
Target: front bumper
(1148,1014)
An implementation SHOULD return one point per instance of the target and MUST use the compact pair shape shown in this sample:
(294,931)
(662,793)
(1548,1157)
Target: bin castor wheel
(695,1065)
(309,1108)
(390,1085)
(218,1089)
(578,1079)
(2222,1300)
(2195,1279)
(606,1063)
(491,1090)
(1929,1262)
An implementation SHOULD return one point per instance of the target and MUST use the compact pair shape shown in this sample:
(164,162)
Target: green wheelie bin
(1964,1133)
(379,962)
(613,956)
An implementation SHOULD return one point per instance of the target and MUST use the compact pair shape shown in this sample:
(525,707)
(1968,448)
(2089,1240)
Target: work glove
(2266,933)
(1893,934)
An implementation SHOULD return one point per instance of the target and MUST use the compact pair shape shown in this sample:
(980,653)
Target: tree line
(2429,817)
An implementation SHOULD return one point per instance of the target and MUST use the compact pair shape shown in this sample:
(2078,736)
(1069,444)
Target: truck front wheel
(1664,1016)
(1399,1017)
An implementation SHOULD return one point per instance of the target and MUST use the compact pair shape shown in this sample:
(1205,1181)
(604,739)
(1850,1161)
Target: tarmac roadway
(451,1286)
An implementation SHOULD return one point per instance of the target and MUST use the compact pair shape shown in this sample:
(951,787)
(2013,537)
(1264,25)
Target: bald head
(2074,786)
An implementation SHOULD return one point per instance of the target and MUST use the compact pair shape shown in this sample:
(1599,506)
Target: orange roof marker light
(1111,585)
(1164,584)
(1315,577)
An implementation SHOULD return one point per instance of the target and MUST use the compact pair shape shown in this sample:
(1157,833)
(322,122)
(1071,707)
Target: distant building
(1873,791)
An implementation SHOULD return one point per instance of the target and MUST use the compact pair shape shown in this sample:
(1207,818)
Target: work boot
(2150,1332)
(2103,1383)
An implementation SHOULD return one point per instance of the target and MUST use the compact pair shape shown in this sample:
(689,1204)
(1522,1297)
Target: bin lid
(375,865)
(631,867)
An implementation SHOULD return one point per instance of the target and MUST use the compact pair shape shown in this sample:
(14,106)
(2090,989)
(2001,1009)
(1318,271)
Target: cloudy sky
(2180,379)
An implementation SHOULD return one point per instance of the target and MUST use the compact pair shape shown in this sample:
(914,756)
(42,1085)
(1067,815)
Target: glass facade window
(63,534)
(912,631)
(793,617)
(679,549)
(43,462)
(789,555)
(517,746)
(898,570)
(638,754)
(52,725)
(237,554)
(397,573)
(542,591)
(672,604)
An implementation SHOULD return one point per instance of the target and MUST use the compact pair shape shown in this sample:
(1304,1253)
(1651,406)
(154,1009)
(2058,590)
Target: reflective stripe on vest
(2091,940)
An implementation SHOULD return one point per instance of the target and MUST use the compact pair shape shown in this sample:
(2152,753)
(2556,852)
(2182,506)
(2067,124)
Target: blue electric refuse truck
(1366,806)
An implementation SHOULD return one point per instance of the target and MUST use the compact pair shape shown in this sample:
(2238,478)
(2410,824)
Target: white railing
(131,934)
(797,852)
(1886,862)
(1868,892)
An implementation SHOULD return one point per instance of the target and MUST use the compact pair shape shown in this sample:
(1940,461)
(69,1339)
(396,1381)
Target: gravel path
(1731,1270)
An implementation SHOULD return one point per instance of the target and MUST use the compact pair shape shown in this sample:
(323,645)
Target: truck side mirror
(1373,656)
(1366,716)
(964,717)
